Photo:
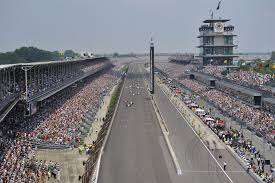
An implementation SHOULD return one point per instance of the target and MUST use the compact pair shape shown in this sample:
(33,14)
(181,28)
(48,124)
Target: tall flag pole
(211,13)
(152,65)
(219,4)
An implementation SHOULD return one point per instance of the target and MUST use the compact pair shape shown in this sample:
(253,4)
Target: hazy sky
(127,25)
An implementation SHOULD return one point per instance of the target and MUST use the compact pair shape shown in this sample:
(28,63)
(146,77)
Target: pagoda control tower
(216,42)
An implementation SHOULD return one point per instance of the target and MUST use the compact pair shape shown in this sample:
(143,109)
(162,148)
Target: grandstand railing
(8,105)
(53,90)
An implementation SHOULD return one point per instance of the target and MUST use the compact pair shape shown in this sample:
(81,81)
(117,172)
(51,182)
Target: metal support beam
(26,68)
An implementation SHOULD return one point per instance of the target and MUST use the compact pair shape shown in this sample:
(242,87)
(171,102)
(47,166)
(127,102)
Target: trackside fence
(91,163)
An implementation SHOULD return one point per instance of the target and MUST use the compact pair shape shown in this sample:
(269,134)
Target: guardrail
(91,163)
(49,146)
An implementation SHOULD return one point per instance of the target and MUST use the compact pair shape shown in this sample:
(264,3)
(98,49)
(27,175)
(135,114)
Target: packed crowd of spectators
(240,111)
(245,78)
(250,155)
(8,91)
(252,79)
(40,82)
(175,70)
(57,122)
(19,164)
(91,67)
(38,85)
(248,78)
(7,98)
(213,71)
(17,158)
(194,86)
(61,126)
(262,121)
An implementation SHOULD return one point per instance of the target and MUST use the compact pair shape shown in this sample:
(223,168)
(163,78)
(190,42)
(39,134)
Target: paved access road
(137,153)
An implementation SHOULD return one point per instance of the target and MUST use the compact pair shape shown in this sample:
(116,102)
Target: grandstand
(49,105)
(34,82)
(182,58)
(214,87)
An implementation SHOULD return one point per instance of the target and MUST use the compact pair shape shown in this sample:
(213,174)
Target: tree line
(33,54)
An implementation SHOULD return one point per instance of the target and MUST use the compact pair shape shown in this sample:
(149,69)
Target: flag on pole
(219,3)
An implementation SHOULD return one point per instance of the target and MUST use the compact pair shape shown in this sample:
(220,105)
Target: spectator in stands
(58,122)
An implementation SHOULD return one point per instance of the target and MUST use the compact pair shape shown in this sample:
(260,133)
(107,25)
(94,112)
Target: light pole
(252,132)
(263,163)
(264,139)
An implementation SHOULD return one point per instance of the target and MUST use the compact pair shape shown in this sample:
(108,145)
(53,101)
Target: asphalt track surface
(136,151)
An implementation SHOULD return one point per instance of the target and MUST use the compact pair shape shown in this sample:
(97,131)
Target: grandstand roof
(215,20)
(6,66)
(46,62)
(54,62)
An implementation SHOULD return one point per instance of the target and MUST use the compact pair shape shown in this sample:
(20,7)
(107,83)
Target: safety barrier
(91,163)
